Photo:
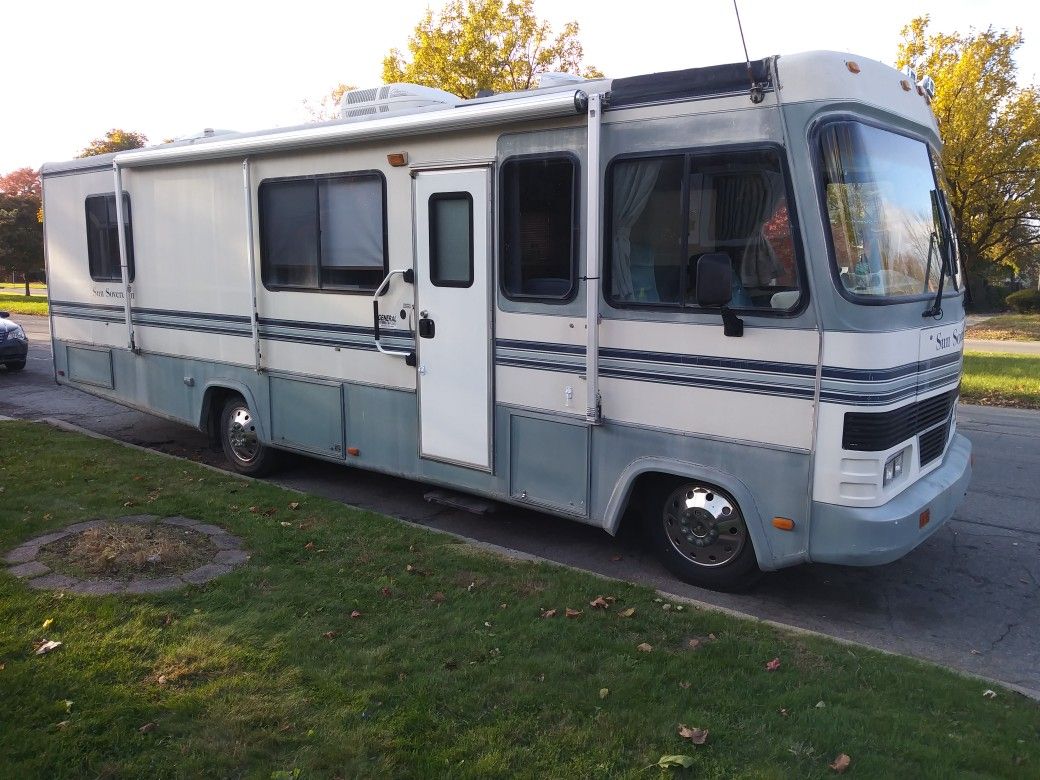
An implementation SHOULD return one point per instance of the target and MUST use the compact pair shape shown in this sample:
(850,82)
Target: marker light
(783,523)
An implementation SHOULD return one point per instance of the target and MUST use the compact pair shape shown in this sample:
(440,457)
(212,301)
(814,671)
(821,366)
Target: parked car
(14,344)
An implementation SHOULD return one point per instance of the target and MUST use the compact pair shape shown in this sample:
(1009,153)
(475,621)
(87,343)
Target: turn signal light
(353,451)
(397,159)
(783,523)
(922,521)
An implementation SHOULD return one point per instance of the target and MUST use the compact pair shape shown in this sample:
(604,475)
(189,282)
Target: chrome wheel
(703,526)
(241,434)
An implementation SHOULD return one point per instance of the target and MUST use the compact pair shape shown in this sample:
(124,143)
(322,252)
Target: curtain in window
(351,223)
(634,182)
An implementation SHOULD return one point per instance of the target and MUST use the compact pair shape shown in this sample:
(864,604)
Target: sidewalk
(1013,347)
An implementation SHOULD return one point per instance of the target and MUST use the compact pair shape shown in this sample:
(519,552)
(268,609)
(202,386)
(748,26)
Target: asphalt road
(968,598)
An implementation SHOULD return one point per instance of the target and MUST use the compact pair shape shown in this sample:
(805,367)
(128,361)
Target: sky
(171,69)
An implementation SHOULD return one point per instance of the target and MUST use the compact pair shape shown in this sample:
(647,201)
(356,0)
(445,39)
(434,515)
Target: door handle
(427,328)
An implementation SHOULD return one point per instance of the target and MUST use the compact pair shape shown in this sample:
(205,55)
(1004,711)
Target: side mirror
(715,288)
(4,315)
(714,279)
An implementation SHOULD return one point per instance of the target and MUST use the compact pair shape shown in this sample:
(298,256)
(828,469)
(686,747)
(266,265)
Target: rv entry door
(453,331)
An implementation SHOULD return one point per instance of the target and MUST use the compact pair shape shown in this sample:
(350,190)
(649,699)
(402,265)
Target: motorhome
(727,297)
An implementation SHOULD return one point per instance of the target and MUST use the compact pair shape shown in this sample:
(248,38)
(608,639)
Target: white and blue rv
(728,297)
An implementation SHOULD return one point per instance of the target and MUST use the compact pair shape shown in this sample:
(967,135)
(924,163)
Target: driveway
(968,598)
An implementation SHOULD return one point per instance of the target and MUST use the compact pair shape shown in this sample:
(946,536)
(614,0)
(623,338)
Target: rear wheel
(699,533)
(241,440)
(15,365)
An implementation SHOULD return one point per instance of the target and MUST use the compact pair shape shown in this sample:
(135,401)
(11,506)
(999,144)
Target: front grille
(932,443)
(876,431)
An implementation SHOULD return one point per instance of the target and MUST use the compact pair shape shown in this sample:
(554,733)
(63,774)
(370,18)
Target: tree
(114,140)
(21,228)
(474,45)
(21,235)
(991,132)
(328,106)
(25,182)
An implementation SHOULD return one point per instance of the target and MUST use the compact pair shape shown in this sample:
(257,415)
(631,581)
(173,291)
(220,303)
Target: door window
(451,239)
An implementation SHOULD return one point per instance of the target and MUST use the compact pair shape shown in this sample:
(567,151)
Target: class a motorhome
(726,297)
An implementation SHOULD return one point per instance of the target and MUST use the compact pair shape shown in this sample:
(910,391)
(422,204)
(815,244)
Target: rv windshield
(887,217)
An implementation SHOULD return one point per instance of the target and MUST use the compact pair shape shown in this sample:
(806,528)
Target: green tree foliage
(114,140)
(991,133)
(21,229)
(474,45)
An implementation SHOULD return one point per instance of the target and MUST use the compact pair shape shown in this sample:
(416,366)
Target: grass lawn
(1007,327)
(449,669)
(995,379)
(19,304)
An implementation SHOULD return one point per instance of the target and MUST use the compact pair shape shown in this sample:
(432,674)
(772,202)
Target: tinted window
(667,212)
(539,228)
(451,239)
(103,238)
(323,232)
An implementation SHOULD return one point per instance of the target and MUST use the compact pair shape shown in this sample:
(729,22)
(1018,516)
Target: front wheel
(241,441)
(699,533)
(15,365)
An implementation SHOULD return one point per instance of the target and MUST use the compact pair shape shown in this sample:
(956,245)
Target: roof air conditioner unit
(393,98)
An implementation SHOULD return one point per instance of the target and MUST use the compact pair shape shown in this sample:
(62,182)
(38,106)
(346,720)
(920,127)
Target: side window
(539,246)
(103,238)
(667,212)
(451,239)
(323,233)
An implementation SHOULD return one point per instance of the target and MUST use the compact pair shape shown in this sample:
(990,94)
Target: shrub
(1024,301)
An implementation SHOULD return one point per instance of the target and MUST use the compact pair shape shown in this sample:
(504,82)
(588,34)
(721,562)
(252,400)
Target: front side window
(323,233)
(667,212)
(887,220)
(103,238)
(539,246)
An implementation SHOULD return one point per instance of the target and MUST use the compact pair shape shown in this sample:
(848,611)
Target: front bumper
(10,349)
(858,536)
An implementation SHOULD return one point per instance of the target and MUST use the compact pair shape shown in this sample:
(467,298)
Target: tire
(241,443)
(698,532)
(15,365)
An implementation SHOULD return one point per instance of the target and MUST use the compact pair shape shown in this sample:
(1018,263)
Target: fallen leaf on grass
(62,725)
(437,598)
(668,762)
(695,735)
(693,644)
(988,694)
(386,592)
(269,511)
(355,614)
(330,635)
(254,509)
(294,505)
(602,602)
(615,558)
(147,728)
(309,546)
(820,705)
(841,763)
(50,645)
(572,613)
(414,570)
(161,679)
(627,613)
(604,692)
(284,524)
(643,647)
(48,623)
(772,666)
(684,685)
(784,712)
(549,613)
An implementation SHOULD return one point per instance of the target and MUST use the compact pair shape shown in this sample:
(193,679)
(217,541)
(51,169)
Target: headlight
(894,467)
(18,333)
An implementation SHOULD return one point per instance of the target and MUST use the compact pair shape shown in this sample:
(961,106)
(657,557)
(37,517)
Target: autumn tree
(475,45)
(21,228)
(328,106)
(114,140)
(991,132)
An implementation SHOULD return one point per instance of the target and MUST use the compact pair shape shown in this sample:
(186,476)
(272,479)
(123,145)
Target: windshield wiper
(935,310)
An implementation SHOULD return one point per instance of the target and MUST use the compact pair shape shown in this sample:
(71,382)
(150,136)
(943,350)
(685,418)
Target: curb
(518,555)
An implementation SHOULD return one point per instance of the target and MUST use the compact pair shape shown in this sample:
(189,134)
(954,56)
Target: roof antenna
(757,93)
